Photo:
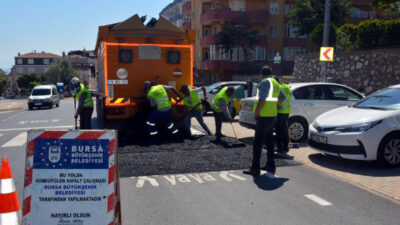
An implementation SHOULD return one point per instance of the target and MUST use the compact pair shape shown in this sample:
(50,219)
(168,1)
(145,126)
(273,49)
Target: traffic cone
(10,213)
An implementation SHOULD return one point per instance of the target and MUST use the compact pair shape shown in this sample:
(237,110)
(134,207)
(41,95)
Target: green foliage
(61,71)
(318,33)
(381,3)
(343,41)
(308,14)
(350,30)
(4,82)
(27,81)
(393,12)
(238,33)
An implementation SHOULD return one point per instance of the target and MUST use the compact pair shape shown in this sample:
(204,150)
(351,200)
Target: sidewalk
(12,105)
(366,175)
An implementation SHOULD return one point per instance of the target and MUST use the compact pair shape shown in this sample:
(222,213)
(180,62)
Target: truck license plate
(248,108)
(319,138)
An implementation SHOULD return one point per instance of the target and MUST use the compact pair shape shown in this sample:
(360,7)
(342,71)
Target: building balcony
(294,42)
(208,40)
(187,25)
(225,65)
(187,6)
(226,14)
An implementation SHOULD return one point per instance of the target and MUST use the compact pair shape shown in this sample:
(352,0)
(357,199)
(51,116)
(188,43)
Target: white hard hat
(75,81)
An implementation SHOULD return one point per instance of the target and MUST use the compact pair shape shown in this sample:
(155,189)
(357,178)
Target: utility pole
(325,43)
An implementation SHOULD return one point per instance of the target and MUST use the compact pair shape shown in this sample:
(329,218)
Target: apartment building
(173,12)
(34,62)
(84,62)
(277,36)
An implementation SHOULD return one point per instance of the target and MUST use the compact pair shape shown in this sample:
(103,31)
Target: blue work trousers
(199,116)
(160,116)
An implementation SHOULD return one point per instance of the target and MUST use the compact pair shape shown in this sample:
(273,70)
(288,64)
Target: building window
(290,31)
(19,61)
(274,8)
(206,32)
(223,54)
(237,5)
(260,53)
(272,54)
(289,7)
(289,53)
(213,30)
(213,52)
(31,69)
(273,32)
(46,61)
(30,61)
(216,5)
(206,56)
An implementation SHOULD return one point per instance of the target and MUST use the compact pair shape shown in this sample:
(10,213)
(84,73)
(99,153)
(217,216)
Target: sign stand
(71,178)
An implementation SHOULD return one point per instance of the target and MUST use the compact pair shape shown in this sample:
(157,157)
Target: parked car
(213,89)
(44,96)
(367,130)
(309,100)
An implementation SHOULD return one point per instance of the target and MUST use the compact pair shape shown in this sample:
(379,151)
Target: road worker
(281,126)
(85,103)
(265,110)
(192,102)
(158,97)
(220,106)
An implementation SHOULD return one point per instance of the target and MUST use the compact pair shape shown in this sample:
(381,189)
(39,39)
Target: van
(44,96)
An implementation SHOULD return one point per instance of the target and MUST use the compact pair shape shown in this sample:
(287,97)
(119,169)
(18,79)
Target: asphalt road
(299,196)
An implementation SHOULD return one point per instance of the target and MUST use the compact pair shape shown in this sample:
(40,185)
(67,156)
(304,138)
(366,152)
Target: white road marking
(317,200)
(55,120)
(142,179)
(16,141)
(226,175)
(32,128)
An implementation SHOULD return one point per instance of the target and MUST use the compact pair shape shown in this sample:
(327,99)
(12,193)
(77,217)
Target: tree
(318,33)
(308,14)
(238,33)
(4,82)
(61,71)
(27,81)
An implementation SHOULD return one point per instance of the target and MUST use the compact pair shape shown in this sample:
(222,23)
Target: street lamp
(277,61)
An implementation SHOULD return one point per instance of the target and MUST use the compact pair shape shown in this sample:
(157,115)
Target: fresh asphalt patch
(168,155)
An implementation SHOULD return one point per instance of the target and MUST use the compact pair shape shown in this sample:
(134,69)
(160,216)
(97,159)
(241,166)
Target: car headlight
(358,127)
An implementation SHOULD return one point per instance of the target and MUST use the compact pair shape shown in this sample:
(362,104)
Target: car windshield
(212,86)
(387,99)
(37,92)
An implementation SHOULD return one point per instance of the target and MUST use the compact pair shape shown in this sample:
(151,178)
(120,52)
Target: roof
(44,86)
(38,55)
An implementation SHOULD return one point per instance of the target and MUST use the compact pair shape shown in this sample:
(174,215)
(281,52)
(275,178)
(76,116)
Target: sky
(62,25)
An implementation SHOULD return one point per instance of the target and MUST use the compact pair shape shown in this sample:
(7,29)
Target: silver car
(44,96)
(309,100)
(213,89)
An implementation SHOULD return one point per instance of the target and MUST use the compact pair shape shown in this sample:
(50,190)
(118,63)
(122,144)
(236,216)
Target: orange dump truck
(131,52)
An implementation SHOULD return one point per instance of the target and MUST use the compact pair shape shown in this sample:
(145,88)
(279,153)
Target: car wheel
(298,129)
(206,107)
(58,104)
(30,107)
(51,106)
(389,151)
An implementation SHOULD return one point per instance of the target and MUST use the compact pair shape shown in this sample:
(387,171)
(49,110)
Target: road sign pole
(327,18)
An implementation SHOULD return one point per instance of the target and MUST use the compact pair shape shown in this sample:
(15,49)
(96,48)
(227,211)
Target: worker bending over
(220,108)
(85,103)
(158,96)
(192,102)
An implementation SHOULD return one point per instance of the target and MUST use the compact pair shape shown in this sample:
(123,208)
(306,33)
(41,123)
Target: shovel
(237,143)
(76,119)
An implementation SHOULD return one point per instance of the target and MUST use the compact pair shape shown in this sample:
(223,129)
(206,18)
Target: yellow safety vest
(286,106)
(160,96)
(216,105)
(195,101)
(88,100)
(270,108)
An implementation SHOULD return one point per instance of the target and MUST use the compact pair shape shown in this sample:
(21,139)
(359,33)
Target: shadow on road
(353,166)
(269,184)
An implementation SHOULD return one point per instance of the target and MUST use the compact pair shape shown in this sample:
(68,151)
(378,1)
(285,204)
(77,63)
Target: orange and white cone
(10,213)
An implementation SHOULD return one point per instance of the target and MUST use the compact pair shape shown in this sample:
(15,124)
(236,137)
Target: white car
(367,130)
(213,89)
(309,100)
(44,96)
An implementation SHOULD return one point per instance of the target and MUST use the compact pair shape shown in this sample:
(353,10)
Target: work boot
(252,172)
(269,167)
